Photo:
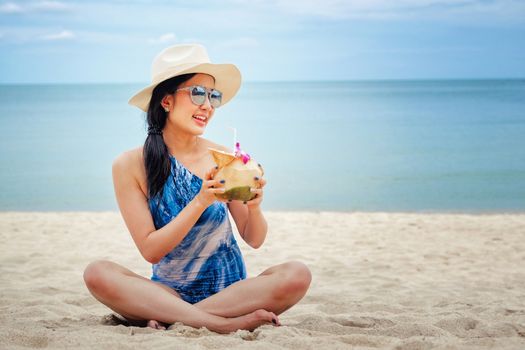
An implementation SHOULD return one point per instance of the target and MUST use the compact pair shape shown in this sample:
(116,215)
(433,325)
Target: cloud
(40,6)
(164,39)
(10,7)
(50,6)
(63,35)
(397,9)
(24,35)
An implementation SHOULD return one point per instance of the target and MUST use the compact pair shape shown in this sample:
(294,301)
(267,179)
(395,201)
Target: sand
(401,281)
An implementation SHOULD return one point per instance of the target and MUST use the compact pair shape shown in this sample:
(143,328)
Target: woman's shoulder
(129,160)
(128,170)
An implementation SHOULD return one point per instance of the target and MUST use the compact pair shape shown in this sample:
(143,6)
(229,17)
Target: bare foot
(250,321)
(155,325)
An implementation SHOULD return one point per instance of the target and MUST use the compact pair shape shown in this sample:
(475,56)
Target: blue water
(368,146)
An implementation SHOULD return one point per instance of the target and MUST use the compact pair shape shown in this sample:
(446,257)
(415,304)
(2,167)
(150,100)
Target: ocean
(418,146)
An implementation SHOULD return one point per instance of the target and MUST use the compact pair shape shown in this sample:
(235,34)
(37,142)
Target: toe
(155,325)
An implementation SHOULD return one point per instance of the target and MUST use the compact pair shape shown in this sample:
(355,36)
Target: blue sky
(115,41)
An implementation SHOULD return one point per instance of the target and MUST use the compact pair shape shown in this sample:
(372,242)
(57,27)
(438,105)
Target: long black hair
(155,151)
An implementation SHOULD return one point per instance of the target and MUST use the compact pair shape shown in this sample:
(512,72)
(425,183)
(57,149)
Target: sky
(269,40)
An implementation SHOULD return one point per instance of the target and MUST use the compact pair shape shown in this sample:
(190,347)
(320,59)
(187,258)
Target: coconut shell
(238,177)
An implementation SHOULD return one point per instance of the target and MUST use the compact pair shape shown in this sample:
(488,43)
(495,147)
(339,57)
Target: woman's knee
(97,276)
(295,279)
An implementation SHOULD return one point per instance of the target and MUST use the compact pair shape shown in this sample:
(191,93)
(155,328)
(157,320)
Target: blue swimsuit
(208,259)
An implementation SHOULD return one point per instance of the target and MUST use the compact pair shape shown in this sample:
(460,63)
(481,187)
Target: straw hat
(188,58)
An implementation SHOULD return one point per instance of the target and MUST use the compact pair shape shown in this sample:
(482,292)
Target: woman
(166,194)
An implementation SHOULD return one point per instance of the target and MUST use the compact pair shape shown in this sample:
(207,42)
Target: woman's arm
(154,244)
(249,218)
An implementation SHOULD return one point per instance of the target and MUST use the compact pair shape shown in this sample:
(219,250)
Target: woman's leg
(138,298)
(276,289)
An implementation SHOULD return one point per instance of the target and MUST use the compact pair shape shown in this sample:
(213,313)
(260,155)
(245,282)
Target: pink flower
(241,154)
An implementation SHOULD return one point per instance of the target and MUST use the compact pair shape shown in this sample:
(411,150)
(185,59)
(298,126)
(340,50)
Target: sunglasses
(198,95)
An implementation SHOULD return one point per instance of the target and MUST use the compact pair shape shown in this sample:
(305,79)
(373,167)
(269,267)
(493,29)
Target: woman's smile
(200,119)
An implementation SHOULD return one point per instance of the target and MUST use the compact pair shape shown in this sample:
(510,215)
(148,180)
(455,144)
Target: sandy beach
(380,280)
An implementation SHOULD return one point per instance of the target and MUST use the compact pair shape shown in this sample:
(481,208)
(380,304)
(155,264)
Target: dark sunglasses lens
(198,95)
(215,98)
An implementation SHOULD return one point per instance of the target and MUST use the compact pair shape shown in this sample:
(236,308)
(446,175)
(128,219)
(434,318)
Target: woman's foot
(155,325)
(247,322)
(250,321)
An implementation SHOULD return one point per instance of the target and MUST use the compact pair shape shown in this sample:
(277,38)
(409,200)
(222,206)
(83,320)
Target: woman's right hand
(209,188)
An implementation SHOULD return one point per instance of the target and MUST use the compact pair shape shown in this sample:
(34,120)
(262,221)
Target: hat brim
(227,80)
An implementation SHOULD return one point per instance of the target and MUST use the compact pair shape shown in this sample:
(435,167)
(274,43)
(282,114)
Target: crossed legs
(246,304)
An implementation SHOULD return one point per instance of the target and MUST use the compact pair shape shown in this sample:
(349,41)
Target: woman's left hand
(252,204)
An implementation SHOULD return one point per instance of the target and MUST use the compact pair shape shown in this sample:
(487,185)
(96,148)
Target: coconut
(238,171)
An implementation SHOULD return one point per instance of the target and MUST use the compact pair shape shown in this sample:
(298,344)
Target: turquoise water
(370,146)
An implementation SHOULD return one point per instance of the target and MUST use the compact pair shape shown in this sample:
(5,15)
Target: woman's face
(186,116)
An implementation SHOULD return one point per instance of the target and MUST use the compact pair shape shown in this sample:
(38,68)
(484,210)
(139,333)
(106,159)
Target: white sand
(404,281)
